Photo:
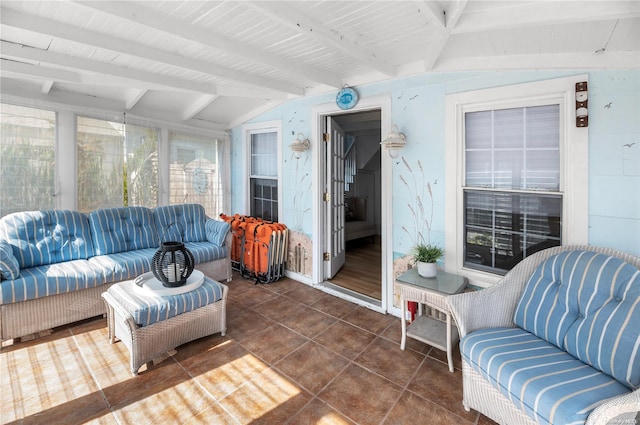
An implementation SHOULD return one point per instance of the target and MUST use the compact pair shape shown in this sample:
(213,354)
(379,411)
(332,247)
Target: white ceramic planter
(427,269)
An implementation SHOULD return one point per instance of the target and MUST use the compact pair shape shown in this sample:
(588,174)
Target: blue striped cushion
(9,267)
(587,304)
(217,231)
(46,237)
(184,222)
(206,251)
(550,385)
(42,281)
(124,265)
(123,229)
(147,308)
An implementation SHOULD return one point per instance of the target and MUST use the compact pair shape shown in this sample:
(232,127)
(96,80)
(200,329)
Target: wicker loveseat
(557,341)
(55,264)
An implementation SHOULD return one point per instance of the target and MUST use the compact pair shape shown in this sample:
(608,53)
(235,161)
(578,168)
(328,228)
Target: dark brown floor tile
(250,295)
(345,339)
(245,324)
(308,322)
(201,346)
(224,369)
(434,382)
(361,395)
(279,308)
(213,415)
(168,398)
(319,413)
(312,366)
(334,306)
(483,420)
(394,333)
(387,359)
(306,294)
(282,286)
(269,399)
(442,356)
(369,320)
(411,406)
(274,343)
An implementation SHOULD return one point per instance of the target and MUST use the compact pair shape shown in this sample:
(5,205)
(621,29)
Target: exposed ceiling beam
(46,87)
(15,69)
(608,60)
(198,106)
(433,10)
(303,24)
(544,13)
(133,97)
(451,18)
(95,39)
(13,50)
(144,16)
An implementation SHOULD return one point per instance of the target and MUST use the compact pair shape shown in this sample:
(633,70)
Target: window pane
(264,199)
(142,166)
(196,171)
(514,148)
(100,164)
(264,154)
(502,228)
(27,159)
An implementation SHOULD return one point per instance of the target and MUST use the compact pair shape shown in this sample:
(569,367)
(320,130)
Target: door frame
(318,112)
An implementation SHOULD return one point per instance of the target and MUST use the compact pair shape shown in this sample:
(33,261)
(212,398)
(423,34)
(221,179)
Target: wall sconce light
(299,145)
(394,142)
(582,108)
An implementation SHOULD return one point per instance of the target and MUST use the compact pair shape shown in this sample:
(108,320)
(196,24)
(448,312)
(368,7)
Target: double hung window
(263,176)
(516,176)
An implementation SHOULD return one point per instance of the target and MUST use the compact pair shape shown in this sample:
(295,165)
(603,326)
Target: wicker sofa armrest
(604,414)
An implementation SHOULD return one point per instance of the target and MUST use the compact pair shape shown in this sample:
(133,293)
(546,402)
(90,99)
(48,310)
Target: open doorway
(358,208)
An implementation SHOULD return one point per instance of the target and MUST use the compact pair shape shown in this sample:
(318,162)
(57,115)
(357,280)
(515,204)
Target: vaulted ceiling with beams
(216,64)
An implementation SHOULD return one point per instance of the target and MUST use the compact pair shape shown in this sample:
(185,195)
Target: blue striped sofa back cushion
(587,304)
(45,237)
(123,229)
(184,222)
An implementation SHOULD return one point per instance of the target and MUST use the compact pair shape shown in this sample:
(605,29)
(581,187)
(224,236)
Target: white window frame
(247,131)
(574,148)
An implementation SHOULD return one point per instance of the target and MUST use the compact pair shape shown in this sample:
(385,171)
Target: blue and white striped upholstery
(9,267)
(147,308)
(46,237)
(206,251)
(217,231)
(123,229)
(552,386)
(185,222)
(587,304)
(51,279)
(124,265)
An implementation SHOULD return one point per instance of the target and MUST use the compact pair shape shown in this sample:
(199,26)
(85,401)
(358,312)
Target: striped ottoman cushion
(552,386)
(147,308)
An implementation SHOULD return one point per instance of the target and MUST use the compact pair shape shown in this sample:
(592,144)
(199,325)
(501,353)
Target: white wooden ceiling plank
(512,15)
(307,26)
(451,19)
(20,69)
(91,38)
(133,97)
(148,17)
(197,106)
(23,52)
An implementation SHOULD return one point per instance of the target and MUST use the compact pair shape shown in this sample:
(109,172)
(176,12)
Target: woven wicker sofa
(557,341)
(55,264)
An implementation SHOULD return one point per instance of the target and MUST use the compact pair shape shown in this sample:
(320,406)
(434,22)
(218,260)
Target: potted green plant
(425,256)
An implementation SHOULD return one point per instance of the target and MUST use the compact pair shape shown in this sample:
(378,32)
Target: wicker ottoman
(148,341)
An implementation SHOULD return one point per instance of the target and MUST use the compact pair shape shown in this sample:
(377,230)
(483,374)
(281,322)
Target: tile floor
(291,355)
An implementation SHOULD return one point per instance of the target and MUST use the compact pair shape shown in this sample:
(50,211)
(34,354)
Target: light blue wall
(418,108)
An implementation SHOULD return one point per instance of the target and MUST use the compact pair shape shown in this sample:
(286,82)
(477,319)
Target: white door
(334,243)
